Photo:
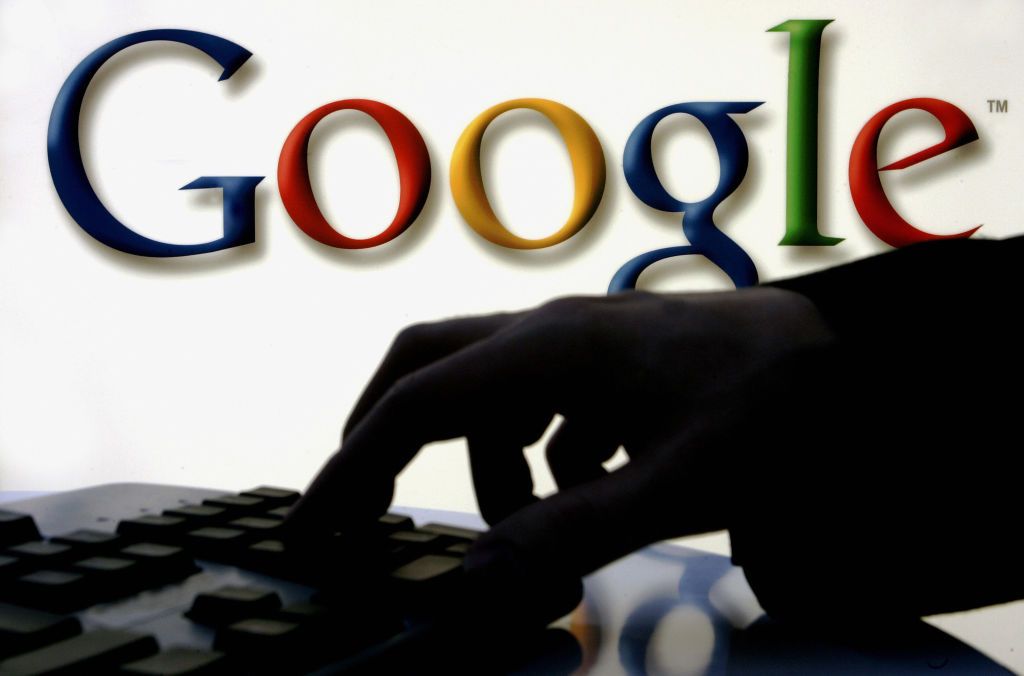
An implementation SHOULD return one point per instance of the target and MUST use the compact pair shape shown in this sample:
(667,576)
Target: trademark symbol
(998,106)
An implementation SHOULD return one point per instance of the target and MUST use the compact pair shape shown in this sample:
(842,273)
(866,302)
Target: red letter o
(413,174)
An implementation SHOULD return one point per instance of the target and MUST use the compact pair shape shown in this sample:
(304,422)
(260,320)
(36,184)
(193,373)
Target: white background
(239,368)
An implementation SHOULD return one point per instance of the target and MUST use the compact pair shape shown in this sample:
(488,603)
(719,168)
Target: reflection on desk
(671,609)
(675,610)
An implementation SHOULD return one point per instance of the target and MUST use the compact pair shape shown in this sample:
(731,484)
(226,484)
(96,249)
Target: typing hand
(667,377)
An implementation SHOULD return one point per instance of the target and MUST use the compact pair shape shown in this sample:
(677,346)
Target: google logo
(585,151)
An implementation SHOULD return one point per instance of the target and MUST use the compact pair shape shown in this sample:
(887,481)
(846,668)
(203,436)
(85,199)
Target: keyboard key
(263,527)
(315,566)
(96,652)
(398,555)
(274,497)
(277,513)
(405,545)
(428,568)
(263,645)
(180,662)
(231,604)
(198,515)
(415,537)
(52,590)
(106,565)
(425,578)
(274,547)
(90,542)
(42,554)
(259,635)
(16,528)
(458,549)
(112,576)
(389,523)
(163,562)
(12,566)
(268,557)
(349,624)
(239,505)
(154,528)
(22,629)
(217,544)
(304,613)
(301,636)
(450,531)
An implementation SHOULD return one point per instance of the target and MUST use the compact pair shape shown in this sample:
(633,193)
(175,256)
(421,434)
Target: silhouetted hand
(668,377)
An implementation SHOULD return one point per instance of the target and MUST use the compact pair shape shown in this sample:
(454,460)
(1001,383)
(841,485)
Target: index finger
(419,345)
(495,378)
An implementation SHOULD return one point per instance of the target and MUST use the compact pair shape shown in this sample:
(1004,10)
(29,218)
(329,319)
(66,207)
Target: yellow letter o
(588,173)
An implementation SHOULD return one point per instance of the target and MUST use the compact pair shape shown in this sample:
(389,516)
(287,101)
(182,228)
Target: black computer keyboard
(151,579)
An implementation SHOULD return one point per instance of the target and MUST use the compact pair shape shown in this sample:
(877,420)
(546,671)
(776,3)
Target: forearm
(904,293)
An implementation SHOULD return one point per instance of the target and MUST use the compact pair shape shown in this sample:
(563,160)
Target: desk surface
(669,609)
